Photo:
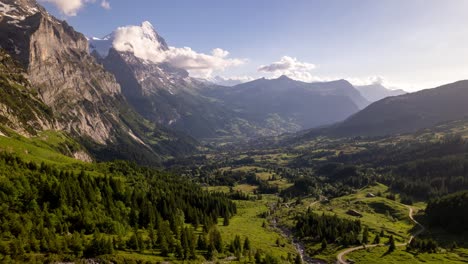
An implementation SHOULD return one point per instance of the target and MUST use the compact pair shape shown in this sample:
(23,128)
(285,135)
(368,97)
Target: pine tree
(258,257)
(216,240)
(298,260)
(365,235)
(179,251)
(211,253)
(226,221)
(376,239)
(382,233)
(247,246)
(391,246)
(202,243)
(324,244)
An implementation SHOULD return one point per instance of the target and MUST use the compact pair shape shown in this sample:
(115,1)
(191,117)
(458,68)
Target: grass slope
(48,146)
(400,255)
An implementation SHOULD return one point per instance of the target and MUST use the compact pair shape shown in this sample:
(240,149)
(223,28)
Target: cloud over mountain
(145,43)
(291,67)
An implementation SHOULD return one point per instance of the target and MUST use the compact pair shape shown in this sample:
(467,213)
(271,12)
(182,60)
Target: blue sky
(410,44)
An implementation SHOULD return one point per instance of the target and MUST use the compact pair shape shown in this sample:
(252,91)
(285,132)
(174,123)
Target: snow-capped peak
(143,41)
(147,25)
(17,10)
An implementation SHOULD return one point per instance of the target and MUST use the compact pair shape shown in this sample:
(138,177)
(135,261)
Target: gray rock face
(20,109)
(85,99)
(59,66)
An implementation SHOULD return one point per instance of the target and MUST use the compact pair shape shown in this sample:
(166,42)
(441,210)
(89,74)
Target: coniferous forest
(78,213)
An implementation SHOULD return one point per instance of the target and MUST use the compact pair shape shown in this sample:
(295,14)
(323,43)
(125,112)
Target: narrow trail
(341,256)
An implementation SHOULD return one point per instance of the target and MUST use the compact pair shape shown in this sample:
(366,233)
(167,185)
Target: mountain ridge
(404,113)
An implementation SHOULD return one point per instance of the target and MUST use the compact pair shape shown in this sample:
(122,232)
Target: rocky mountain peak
(19,9)
(142,41)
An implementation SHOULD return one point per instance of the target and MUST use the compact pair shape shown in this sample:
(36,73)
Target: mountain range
(286,105)
(169,96)
(120,104)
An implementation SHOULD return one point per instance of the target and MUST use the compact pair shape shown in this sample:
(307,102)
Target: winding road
(341,256)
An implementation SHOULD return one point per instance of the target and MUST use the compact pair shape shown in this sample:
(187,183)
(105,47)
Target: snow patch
(6,8)
(137,139)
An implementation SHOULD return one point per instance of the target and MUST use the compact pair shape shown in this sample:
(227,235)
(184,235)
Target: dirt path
(341,256)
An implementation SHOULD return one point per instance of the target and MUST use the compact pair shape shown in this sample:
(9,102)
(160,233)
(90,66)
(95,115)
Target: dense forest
(329,229)
(78,213)
(420,169)
(449,212)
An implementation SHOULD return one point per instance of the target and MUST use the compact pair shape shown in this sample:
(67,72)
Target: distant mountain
(376,92)
(286,105)
(168,96)
(405,113)
(160,92)
(230,81)
(86,100)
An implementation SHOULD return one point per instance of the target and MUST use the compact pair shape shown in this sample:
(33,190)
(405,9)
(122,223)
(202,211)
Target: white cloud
(199,64)
(231,80)
(71,7)
(144,43)
(291,67)
(105,4)
(367,81)
(141,41)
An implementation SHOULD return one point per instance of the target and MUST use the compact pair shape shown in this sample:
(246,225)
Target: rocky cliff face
(20,109)
(58,65)
(86,99)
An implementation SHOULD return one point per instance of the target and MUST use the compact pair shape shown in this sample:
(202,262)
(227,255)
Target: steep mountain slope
(376,92)
(293,104)
(85,98)
(407,113)
(20,109)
